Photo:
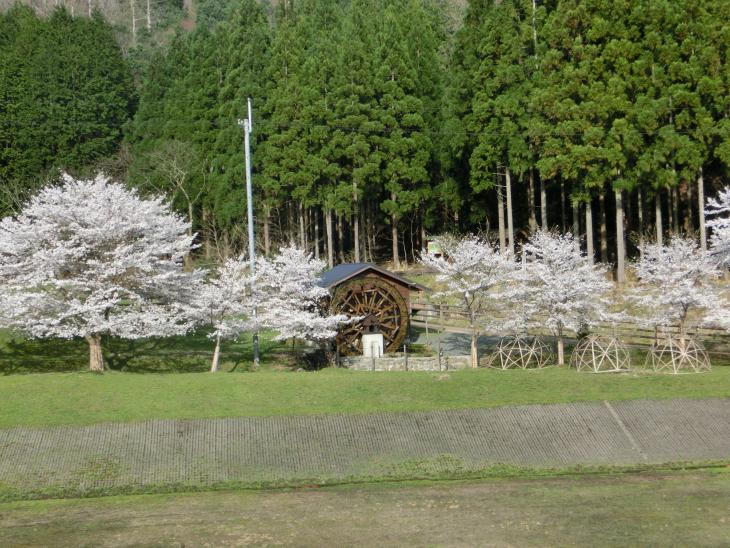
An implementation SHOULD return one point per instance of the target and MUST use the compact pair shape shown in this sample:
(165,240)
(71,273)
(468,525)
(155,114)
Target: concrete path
(456,341)
(257,450)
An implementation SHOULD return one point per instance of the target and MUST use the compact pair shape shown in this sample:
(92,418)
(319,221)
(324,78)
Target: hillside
(140,22)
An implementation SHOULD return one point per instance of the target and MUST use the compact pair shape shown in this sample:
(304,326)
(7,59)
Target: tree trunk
(576,224)
(602,228)
(620,240)
(367,249)
(640,199)
(315,213)
(302,234)
(510,223)
(674,194)
(134,22)
(405,251)
(363,235)
(701,203)
(330,242)
(267,225)
(341,238)
(394,233)
(356,234)
(531,201)
(394,240)
(292,223)
(96,358)
(543,205)
(590,252)
(658,214)
(561,350)
(216,354)
(356,222)
(423,235)
(628,212)
(563,214)
(473,349)
(689,224)
(500,219)
(207,247)
(373,232)
(149,17)
(188,260)
(226,246)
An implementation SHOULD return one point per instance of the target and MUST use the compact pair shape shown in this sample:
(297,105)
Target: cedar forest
(380,122)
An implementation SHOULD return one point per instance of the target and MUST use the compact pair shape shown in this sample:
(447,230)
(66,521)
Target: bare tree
(174,166)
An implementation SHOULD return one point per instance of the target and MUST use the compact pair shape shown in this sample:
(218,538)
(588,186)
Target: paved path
(456,341)
(337,447)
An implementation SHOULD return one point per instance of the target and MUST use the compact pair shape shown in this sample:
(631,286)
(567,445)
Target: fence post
(427,330)
(372,356)
(405,358)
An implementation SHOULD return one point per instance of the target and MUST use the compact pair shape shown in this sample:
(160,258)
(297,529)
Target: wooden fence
(716,341)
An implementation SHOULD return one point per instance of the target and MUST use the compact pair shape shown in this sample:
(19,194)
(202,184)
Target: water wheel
(380,306)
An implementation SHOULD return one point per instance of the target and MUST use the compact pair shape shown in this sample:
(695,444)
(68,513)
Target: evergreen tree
(243,44)
(356,126)
(404,142)
(189,109)
(500,106)
(67,92)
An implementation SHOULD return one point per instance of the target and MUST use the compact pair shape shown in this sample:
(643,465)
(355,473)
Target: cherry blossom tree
(289,300)
(674,280)
(90,257)
(718,210)
(719,314)
(471,270)
(223,301)
(563,285)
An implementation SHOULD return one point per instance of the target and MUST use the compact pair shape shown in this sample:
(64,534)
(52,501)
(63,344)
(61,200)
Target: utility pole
(247,128)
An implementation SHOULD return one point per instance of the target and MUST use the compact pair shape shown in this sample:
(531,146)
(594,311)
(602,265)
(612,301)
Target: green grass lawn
(86,398)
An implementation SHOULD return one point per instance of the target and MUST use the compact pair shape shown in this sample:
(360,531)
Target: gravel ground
(253,450)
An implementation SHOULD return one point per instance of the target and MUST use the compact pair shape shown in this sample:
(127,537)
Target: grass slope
(87,398)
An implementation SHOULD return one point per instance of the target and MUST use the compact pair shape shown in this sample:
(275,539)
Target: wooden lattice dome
(520,353)
(678,355)
(600,355)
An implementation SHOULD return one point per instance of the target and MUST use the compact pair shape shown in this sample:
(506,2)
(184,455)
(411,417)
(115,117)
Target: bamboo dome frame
(521,353)
(676,355)
(600,354)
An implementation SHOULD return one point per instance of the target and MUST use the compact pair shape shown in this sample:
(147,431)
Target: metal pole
(247,128)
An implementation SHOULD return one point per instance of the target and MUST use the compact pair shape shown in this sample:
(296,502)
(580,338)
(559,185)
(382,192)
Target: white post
(247,128)
(620,243)
(701,200)
(510,223)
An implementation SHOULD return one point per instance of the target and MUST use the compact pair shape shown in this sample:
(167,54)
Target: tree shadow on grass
(186,354)
(18,355)
(191,353)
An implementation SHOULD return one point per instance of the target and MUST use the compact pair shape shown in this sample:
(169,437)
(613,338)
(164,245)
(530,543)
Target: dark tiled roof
(344,272)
